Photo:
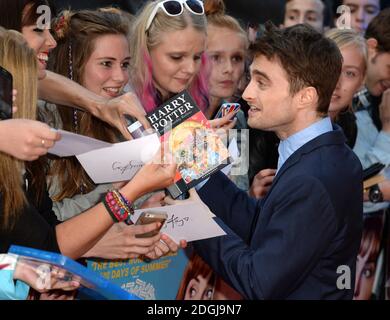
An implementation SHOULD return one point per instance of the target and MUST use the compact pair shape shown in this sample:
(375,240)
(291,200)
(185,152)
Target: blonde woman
(168,54)
(26,216)
(102,68)
(354,51)
(169,42)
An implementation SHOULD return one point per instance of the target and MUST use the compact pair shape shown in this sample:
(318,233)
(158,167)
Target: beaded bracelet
(123,202)
(118,207)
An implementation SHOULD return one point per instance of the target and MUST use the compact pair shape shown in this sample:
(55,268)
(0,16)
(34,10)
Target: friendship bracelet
(123,201)
(117,213)
(108,208)
(121,213)
(119,200)
(128,205)
(119,208)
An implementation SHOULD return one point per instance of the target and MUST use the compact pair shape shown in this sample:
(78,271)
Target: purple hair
(147,92)
(199,89)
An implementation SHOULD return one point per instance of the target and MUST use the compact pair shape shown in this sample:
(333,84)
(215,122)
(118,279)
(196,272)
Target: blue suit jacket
(290,244)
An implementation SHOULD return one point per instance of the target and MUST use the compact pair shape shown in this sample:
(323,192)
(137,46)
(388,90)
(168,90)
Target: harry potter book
(196,148)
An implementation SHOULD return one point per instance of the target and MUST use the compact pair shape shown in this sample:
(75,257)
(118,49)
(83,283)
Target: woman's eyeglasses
(175,8)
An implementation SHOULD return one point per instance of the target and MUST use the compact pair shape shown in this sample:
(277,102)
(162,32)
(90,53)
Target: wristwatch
(375,195)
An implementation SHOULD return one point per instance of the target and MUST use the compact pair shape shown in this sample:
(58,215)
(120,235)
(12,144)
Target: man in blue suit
(301,241)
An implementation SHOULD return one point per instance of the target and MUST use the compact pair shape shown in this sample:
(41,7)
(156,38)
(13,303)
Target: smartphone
(5,94)
(149,217)
(227,108)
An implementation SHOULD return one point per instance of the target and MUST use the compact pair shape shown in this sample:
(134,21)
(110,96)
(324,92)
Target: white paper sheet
(72,144)
(120,161)
(190,221)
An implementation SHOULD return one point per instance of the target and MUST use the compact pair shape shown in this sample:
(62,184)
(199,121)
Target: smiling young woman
(102,68)
(167,51)
(24,16)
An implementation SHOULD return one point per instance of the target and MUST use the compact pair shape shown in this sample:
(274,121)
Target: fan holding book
(196,148)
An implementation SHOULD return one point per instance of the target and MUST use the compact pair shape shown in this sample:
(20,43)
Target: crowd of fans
(102,59)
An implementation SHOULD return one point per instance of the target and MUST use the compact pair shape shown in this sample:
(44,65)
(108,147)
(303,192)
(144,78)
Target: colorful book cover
(197,149)
(93,283)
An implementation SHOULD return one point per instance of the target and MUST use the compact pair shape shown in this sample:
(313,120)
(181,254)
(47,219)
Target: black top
(35,227)
(347,121)
(263,152)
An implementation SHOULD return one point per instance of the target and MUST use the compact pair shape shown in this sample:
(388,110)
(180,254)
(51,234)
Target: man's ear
(372,46)
(307,97)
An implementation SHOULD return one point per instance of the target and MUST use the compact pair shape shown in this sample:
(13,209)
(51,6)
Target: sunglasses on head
(175,8)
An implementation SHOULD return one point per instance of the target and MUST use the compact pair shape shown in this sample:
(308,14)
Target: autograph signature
(118,166)
(176,222)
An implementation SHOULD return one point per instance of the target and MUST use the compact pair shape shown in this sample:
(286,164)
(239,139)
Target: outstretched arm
(79,234)
(60,90)
(26,139)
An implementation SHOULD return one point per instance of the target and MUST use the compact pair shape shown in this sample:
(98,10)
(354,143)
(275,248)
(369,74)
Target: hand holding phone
(149,217)
(226,109)
(5,94)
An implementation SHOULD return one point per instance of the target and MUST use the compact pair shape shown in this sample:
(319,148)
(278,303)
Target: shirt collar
(293,143)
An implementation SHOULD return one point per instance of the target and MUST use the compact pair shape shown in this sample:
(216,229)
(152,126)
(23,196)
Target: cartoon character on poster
(199,282)
(366,264)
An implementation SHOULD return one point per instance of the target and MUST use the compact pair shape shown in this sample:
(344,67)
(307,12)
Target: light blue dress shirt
(371,146)
(293,143)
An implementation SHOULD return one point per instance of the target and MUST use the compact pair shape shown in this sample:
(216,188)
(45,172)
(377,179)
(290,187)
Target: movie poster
(180,276)
(155,280)
(366,265)
(200,282)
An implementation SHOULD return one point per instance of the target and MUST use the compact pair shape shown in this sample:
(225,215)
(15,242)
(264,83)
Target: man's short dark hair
(379,29)
(309,59)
